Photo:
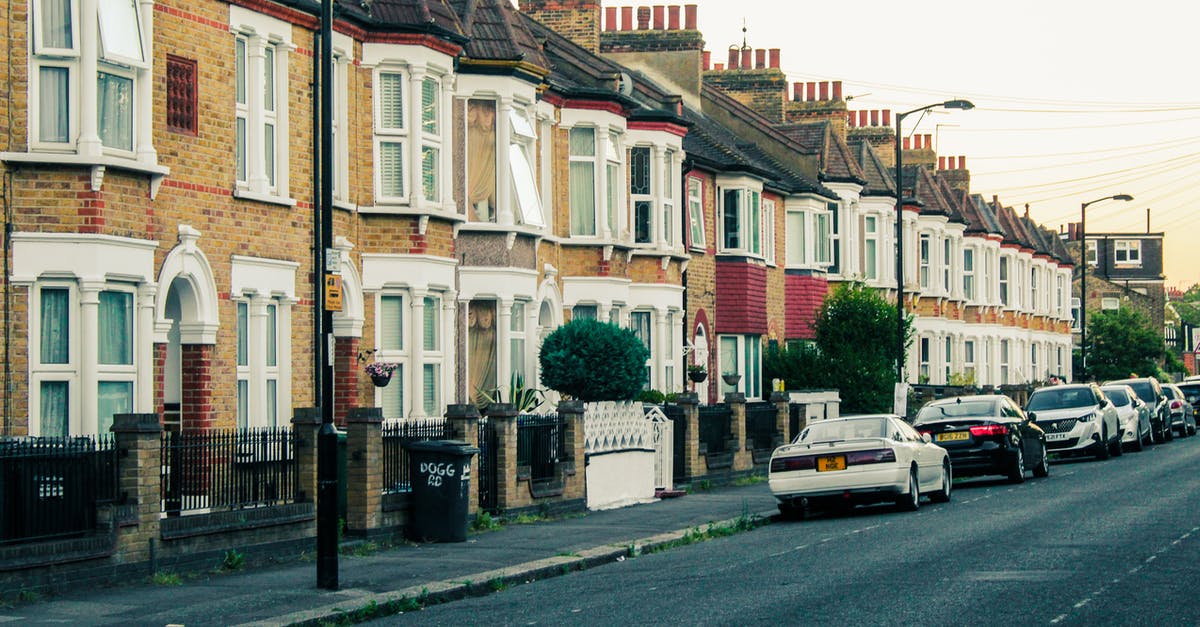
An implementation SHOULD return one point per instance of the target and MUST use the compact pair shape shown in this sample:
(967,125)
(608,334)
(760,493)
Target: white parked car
(1077,419)
(859,459)
(1133,414)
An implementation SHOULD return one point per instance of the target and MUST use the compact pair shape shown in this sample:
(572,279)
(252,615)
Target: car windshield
(1190,392)
(846,429)
(1144,390)
(1117,396)
(1060,398)
(958,409)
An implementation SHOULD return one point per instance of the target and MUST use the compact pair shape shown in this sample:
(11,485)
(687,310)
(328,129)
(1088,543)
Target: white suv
(1077,419)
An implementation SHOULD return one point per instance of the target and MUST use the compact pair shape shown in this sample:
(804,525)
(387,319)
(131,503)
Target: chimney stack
(907,143)
(706,56)
(874,117)
(811,87)
(887,117)
(824,91)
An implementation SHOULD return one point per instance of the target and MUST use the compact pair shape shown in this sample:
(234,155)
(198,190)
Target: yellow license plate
(836,462)
(952,436)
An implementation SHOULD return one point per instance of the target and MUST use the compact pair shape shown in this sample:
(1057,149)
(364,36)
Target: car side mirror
(925,438)
(1103,403)
(1031,416)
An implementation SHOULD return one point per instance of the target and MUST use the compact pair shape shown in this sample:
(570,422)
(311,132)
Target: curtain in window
(55,397)
(272,337)
(430,323)
(115,115)
(243,403)
(729,361)
(429,173)
(481,348)
(53,107)
(429,394)
(481,159)
(243,331)
(730,211)
(517,341)
(391,323)
(429,106)
(272,403)
(391,398)
(56,24)
(55,323)
(113,397)
(116,328)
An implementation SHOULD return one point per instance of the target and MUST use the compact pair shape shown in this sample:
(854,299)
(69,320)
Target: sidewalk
(287,594)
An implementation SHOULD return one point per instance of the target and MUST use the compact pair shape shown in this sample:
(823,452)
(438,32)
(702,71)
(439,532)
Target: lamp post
(949,104)
(1083,277)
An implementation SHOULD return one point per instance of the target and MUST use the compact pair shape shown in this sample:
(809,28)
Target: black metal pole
(899,257)
(327,470)
(1083,293)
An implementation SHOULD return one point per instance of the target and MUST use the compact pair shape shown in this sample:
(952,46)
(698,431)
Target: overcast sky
(1075,100)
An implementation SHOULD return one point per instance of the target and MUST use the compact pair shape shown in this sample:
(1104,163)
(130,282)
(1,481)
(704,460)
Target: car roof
(1064,386)
(970,397)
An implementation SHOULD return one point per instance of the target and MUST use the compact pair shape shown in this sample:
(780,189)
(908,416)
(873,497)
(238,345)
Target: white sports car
(859,459)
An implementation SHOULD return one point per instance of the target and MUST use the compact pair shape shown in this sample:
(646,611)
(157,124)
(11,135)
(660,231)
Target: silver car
(1133,413)
(1077,419)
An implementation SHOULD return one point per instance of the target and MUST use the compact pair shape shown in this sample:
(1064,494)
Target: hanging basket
(731,379)
(381,380)
(698,376)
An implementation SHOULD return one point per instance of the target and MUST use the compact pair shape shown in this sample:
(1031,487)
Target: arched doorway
(185,334)
(700,356)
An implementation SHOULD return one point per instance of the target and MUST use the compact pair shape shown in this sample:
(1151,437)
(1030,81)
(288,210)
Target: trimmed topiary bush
(590,360)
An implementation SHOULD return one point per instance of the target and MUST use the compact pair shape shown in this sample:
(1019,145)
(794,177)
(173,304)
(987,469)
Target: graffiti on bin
(436,472)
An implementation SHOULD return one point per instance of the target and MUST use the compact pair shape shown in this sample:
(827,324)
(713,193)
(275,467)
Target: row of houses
(496,173)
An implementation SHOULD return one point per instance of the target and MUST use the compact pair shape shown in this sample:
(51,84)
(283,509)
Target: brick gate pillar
(742,458)
(693,464)
(574,467)
(306,422)
(782,417)
(463,421)
(503,418)
(139,438)
(364,468)
(196,383)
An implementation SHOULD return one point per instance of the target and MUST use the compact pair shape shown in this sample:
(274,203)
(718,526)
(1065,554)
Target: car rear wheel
(1103,451)
(1016,470)
(1042,470)
(1138,443)
(1168,432)
(943,495)
(1115,446)
(910,502)
(791,510)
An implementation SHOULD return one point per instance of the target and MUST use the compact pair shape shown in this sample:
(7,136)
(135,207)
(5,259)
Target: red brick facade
(805,295)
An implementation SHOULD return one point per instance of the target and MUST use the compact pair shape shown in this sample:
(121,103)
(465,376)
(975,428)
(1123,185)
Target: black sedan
(985,435)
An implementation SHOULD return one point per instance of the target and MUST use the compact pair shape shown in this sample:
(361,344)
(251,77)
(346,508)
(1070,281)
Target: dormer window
(1127,252)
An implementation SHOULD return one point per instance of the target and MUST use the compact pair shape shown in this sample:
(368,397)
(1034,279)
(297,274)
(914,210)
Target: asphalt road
(1096,543)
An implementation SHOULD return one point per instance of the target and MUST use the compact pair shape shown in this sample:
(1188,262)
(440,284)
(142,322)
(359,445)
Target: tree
(591,360)
(854,350)
(1122,343)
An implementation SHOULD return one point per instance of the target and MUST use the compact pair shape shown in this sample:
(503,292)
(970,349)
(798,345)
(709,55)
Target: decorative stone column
(364,469)
(743,459)
(306,421)
(693,465)
(463,422)
(139,438)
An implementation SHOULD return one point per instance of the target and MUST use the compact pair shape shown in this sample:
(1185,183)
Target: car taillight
(924,431)
(985,430)
(873,456)
(784,464)
(1176,404)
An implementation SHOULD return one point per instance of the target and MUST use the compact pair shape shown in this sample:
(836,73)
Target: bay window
(969,274)
(742,221)
(432,352)
(870,261)
(612,182)
(517,344)
(834,235)
(640,194)
(53,359)
(969,359)
(582,149)
(923,253)
(742,355)
(409,126)
(795,230)
(1004,280)
(639,323)
(768,230)
(391,348)
(946,264)
(821,235)
(260,366)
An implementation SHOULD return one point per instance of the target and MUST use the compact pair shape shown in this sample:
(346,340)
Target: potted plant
(697,373)
(731,378)
(381,372)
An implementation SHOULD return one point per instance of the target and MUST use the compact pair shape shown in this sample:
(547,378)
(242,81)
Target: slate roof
(986,215)
(497,32)
(960,205)
(1037,236)
(878,176)
(435,17)
(837,162)
(1014,230)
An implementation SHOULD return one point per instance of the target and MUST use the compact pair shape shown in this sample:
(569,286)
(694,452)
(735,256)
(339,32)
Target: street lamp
(1083,277)
(949,104)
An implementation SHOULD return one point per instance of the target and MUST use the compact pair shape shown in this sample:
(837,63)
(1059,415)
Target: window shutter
(391,323)
(391,103)
(391,169)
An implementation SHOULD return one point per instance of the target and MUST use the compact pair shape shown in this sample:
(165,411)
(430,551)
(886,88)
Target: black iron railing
(49,487)
(715,431)
(760,425)
(488,467)
(223,470)
(541,444)
(396,434)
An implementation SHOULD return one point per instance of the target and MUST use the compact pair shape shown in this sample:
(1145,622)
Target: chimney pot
(689,16)
(673,17)
(907,143)
(733,58)
(811,87)
(916,143)
(962,162)
(824,90)
(774,54)
(707,57)
(929,142)
(837,90)
(718,67)
(851,117)
(626,18)
(610,18)
(760,59)
(862,117)
(643,18)
(887,117)
(874,117)
(941,163)
(797,91)
(659,16)
(745,62)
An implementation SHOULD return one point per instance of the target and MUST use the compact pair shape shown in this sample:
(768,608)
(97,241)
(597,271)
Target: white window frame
(969,358)
(390,354)
(392,135)
(1130,250)
(695,200)
(870,257)
(947,262)
(768,230)
(1004,361)
(522,145)
(749,220)
(1034,303)
(431,140)
(262,406)
(260,33)
(924,250)
(594,160)
(746,347)
(1002,275)
(647,198)
(40,372)
(648,342)
(343,50)
(968,272)
(925,351)
(1092,252)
